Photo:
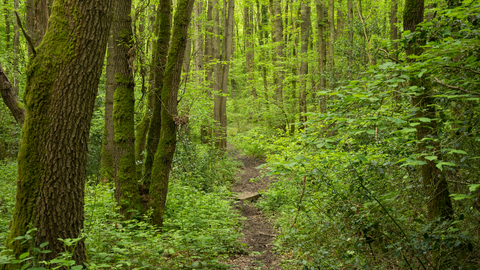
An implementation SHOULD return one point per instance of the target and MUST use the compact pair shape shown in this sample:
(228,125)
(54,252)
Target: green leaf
(457,152)
(77,267)
(473,187)
(431,157)
(425,120)
(43,244)
(24,255)
(371,131)
(362,158)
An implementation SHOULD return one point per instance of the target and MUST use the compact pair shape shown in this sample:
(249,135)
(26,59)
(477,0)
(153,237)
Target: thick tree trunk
(170,119)
(126,185)
(59,97)
(164,23)
(393,25)
(435,185)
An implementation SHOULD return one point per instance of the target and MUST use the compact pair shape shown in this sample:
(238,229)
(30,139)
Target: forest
(239,134)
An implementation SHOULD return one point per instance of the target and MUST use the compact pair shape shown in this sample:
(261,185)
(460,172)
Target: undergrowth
(200,227)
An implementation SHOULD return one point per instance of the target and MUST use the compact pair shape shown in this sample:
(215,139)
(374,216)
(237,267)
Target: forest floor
(258,232)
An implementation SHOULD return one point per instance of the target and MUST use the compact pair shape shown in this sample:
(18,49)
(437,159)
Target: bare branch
(454,87)
(10,99)
(27,37)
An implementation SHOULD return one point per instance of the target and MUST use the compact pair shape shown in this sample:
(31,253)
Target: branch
(27,37)
(391,58)
(10,98)
(464,68)
(454,87)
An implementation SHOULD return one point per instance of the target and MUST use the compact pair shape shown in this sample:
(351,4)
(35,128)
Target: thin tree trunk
(170,120)
(340,22)
(7,24)
(16,52)
(305,34)
(279,48)
(59,98)
(322,51)
(350,33)
(331,52)
(164,22)
(10,98)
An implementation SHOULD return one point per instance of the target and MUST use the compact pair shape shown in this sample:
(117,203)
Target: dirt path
(258,233)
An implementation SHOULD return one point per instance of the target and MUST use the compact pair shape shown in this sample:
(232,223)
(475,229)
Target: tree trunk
(59,97)
(331,53)
(249,47)
(350,33)
(10,98)
(322,51)
(393,26)
(7,24)
(305,34)
(108,154)
(340,19)
(164,23)
(279,48)
(126,185)
(435,185)
(170,120)
(16,52)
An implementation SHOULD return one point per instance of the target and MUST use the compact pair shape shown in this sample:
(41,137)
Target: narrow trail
(258,233)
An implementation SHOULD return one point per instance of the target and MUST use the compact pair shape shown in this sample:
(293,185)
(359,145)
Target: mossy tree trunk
(159,61)
(170,119)
(107,158)
(435,185)
(126,185)
(62,83)
(322,51)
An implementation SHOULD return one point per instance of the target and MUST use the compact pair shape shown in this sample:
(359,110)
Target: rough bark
(126,185)
(10,98)
(59,98)
(163,24)
(393,25)
(170,119)
(435,185)
(350,31)
(16,51)
(249,47)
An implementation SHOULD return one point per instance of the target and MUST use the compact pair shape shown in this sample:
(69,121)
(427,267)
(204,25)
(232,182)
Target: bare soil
(258,232)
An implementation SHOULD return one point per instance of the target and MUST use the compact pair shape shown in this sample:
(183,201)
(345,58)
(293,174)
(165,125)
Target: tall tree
(159,62)
(126,185)
(170,119)
(331,43)
(276,10)
(59,99)
(6,13)
(435,185)
(322,50)
(305,35)
(249,47)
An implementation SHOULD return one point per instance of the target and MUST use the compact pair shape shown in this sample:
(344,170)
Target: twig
(27,37)
(300,202)
(454,87)
(391,58)
(469,69)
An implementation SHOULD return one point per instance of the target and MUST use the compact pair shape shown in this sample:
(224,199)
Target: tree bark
(7,24)
(435,185)
(249,47)
(10,98)
(126,185)
(170,119)
(164,23)
(340,22)
(393,26)
(331,52)
(322,51)
(279,48)
(305,34)
(16,52)
(59,97)
(350,32)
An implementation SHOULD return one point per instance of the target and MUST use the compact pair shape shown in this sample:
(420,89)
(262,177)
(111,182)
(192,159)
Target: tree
(126,185)
(59,99)
(305,35)
(435,186)
(170,120)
